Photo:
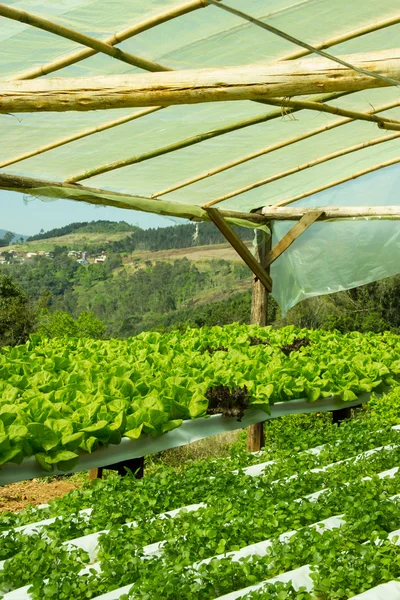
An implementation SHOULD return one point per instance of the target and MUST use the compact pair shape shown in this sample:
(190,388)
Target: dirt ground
(16,496)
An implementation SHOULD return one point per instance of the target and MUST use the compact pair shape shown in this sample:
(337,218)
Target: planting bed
(152,392)
(323,516)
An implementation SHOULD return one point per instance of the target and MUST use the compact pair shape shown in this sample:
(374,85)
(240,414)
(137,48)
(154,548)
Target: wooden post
(136,465)
(343,413)
(93,474)
(259,316)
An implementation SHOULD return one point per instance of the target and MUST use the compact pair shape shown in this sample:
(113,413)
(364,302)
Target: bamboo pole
(312,49)
(173,13)
(298,169)
(117,38)
(321,188)
(382,122)
(148,24)
(276,114)
(251,82)
(332,212)
(81,38)
(186,142)
(345,37)
(81,193)
(268,150)
(79,136)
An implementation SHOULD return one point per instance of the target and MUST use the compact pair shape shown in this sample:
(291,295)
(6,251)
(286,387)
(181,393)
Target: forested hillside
(163,238)
(133,291)
(84,227)
(130,300)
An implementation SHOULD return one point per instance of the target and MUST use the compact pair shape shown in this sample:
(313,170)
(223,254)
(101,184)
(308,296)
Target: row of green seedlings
(89,520)
(352,438)
(313,581)
(369,512)
(308,517)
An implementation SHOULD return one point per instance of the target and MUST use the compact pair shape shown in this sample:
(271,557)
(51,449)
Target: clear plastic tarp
(329,256)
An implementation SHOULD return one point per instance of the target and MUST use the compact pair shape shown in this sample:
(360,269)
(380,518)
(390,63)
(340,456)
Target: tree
(6,240)
(89,326)
(17,315)
(60,324)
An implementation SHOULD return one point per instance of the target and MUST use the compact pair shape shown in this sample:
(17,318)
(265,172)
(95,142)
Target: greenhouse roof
(267,147)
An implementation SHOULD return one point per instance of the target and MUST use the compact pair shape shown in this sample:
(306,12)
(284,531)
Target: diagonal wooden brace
(292,235)
(240,247)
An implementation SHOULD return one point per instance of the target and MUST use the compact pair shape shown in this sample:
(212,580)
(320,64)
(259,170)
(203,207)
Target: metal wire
(298,42)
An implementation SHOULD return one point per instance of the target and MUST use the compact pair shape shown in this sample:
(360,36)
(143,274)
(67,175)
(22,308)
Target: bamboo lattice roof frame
(343,100)
(94,46)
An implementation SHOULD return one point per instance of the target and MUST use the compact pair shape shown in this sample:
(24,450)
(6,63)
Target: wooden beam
(259,316)
(332,212)
(305,222)
(240,247)
(90,195)
(250,82)
(259,295)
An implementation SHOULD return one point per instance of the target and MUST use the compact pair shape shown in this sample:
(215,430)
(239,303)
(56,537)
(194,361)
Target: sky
(27,216)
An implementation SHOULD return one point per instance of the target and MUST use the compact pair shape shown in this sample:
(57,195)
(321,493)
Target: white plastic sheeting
(336,256)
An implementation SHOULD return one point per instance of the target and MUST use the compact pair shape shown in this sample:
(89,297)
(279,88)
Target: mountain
(122,238)
(17,236)
(85,227)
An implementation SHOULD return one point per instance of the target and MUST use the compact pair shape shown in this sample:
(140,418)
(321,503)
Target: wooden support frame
(304,223)
(193,86)
(145,25)
(240,247)
(331,212)
(259,316)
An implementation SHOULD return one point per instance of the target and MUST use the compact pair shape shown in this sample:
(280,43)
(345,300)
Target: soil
(16,496)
